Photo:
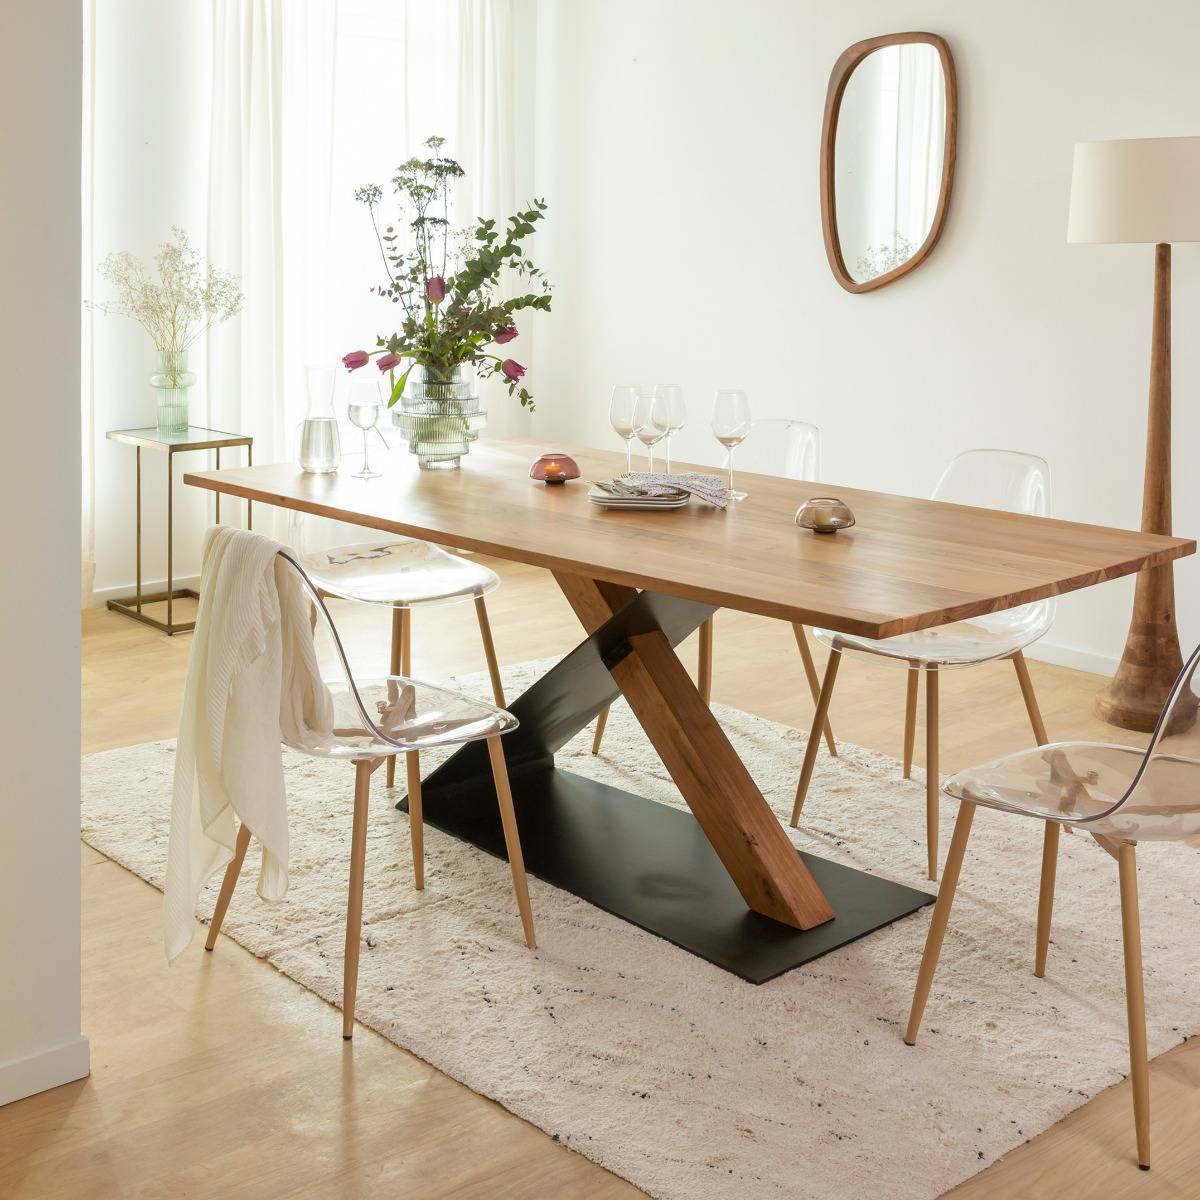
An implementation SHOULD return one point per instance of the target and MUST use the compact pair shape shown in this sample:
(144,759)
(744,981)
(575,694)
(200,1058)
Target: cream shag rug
(670,1072)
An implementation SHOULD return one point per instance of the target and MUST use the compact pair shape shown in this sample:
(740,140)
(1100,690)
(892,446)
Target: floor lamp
(1144,190)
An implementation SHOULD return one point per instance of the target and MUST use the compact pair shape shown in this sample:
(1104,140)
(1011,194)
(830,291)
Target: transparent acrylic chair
(396,572)
(788,450)
(375,720)
(1118,794)
(1000,479)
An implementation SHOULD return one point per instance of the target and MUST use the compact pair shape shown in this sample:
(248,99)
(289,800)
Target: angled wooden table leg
(739,823)
(701,879)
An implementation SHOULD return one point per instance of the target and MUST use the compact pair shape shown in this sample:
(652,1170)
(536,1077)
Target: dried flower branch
(187,299)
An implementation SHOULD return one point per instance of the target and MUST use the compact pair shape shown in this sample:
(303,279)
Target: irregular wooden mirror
(887,156)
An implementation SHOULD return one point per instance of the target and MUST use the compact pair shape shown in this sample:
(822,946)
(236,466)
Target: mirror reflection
(888,157)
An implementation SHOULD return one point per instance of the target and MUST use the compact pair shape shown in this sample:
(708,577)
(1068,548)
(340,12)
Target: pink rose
(355,359)
(387,361)
(512,369)
(504,335)
(435,290)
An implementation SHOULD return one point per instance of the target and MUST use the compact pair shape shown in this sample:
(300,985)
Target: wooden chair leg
(941,915)
(512,839)
(232,871)
(354,899)
(704,662)
(933,779)
(1046,896)
(416,823)
(601,721)
(1031,704)
(489,651)
(810,671)
(910,719)
(406,642)
(1135,1000)
(399,665)
(814,738)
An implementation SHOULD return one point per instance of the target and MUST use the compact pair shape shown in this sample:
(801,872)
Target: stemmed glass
(675,414)
(650,420)
(366,400)
(621,417)
(730,425)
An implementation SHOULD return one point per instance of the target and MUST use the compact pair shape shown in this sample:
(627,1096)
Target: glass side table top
(195,437)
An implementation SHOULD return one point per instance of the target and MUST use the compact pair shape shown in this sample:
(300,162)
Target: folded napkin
(709,488)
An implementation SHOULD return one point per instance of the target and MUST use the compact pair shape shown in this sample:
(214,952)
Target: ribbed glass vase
(440,415)
(170,383)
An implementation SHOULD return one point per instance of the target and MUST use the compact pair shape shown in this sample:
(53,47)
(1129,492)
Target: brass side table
(193,438)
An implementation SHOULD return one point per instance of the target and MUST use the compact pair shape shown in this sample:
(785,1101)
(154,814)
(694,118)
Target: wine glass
(730,425)
(650,419)
(363,407)
(620,417)
(675,412)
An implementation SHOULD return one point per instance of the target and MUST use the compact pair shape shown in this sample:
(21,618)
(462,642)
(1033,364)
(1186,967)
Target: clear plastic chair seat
(405,715)
(400,572)
(961,643)
(1120,792)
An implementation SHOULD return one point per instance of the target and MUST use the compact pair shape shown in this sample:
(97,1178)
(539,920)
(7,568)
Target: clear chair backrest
(783,448)
(1163,803)
(1010,481)
(309,534)
(326,620)
(1004,479)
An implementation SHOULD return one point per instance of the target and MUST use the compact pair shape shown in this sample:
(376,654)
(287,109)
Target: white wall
(677,146)
(40,1042)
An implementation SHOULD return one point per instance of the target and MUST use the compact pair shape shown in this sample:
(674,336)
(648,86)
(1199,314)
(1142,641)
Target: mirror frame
(838,79)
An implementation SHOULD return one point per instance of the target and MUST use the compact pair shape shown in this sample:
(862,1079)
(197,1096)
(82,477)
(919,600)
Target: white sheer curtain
(485,143)
(246,188)
(311,99)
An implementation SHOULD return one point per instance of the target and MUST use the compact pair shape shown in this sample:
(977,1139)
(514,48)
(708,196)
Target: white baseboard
(101,596)
(1072,656)
(44,1070)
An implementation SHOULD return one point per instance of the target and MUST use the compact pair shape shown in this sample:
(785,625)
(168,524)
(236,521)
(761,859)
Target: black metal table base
(643,861)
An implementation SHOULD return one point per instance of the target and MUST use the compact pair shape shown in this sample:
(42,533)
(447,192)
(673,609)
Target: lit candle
(554,468)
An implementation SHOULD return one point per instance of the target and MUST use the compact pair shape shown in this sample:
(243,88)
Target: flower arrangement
(187,299)
(446,281)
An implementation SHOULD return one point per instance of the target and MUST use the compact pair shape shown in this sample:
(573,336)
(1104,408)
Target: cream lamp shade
(1136,190)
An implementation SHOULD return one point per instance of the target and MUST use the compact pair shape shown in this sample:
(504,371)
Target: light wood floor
(221,1077)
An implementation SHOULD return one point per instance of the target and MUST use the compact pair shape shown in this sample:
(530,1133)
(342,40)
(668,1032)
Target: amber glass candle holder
(554,469)
(824,514)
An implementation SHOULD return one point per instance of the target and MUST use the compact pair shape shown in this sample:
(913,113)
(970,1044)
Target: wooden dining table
(722,881)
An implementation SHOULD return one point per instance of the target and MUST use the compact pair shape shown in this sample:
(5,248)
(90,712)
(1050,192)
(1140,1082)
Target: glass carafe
(320,444)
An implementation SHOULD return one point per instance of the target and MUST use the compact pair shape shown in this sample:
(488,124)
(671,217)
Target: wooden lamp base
(1152,658)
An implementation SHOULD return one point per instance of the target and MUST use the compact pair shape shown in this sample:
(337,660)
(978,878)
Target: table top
(908,564)
(195,437)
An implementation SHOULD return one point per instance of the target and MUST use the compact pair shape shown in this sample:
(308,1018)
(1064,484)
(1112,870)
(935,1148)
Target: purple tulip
(504,335)
(387,361)
(435,290)
(355,359)
(512,369)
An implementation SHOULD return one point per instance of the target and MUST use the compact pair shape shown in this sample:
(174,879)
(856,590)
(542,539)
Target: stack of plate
(617,495)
